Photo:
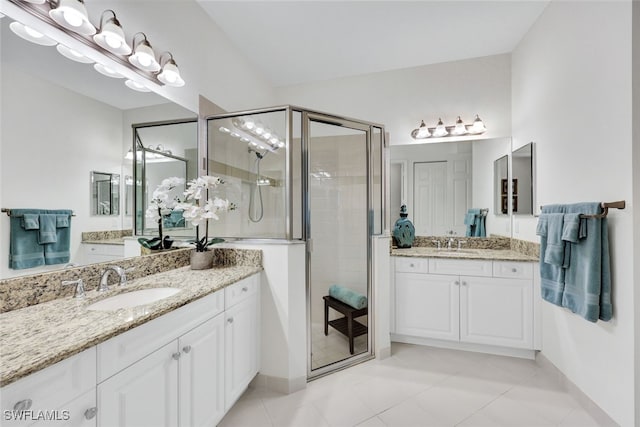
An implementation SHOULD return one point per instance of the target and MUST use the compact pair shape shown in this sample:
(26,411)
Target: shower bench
(346,325)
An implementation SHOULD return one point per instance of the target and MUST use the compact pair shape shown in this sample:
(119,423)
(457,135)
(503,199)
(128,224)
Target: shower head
(257,153)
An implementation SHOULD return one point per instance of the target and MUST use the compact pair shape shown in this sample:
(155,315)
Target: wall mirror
(439,182)
(87,127)
(105,193)
(163,150)
(523,181)
(501,186)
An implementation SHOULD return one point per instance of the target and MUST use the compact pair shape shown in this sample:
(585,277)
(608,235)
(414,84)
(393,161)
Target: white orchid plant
(160,206)
(201,205)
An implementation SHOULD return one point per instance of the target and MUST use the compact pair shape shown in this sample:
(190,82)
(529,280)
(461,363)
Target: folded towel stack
(348,296)
(574,260)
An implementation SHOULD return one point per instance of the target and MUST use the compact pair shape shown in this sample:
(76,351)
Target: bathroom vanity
(483,300)
(182,360)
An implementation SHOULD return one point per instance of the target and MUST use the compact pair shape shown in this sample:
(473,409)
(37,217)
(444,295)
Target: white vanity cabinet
(477,302)
(101,252)
(241,339)
(185,381)
(62,394)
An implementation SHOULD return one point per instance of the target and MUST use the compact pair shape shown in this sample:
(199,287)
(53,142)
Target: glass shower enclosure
(297,174)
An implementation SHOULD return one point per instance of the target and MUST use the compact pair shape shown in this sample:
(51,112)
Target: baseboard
(383,353)
(280,384)
(596,412)
(478,348)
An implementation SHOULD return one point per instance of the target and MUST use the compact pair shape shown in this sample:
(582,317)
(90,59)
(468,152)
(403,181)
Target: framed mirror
(105,193)
(501,185)
(523,181)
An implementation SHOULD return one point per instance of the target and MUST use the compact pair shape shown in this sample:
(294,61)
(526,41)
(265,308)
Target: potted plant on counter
(161,206)
(201,205)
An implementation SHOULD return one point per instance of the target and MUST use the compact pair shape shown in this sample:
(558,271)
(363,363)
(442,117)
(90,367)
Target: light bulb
(137,86)
(440,129)
(73,17)
(460,128)
(113,41)
(33,33)
(144,59)
(235,135)
(423,131)
(478,126)
(106,71)
(224,129)
(274,141)
(267,134)
(249,124)
(259,129)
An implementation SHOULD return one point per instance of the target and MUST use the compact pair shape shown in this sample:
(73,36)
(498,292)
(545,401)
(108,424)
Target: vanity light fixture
(106,71)
(131,84)
(35,1)
(170,75)
(72,15)
(143,56)
(73,55)
(111,36)
(31,35)
(440,130)
(254,133)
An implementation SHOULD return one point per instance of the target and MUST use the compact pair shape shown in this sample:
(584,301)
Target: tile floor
(420,386)
(333,347)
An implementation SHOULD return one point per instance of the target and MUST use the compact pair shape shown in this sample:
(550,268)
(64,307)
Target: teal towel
(474,219)
(59,251)
(551,276)
(554,251)
(24,249)
(31,221)
(47,233)
(348,296)
(585,286)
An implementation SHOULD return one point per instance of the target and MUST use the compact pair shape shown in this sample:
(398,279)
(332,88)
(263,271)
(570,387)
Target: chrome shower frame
(303,234)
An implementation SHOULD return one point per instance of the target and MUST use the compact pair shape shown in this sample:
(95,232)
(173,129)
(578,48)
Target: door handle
(176,356)
(186,348)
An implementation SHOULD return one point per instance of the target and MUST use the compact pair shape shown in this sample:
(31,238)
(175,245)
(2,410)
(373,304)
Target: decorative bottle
(404,232)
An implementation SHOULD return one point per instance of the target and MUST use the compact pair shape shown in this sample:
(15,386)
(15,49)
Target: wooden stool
(345,325)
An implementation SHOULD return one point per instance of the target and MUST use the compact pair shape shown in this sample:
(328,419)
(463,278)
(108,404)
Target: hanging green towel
(31,221)
(24,249)
(347,296)
(47,231)
(59,251)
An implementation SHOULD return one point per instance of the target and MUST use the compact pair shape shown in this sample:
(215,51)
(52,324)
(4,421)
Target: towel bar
(8,212)
(621,204)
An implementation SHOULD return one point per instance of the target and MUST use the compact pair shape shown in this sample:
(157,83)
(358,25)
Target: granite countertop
(486,254)
(38,336)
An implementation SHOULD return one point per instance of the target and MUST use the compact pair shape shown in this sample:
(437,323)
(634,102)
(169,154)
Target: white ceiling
(294,42)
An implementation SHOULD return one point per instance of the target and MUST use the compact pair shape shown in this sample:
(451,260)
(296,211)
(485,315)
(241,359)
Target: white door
(496,311)
(427,305)
(144,394)
(459,193)
(240,349)
(202,374)
(432,211)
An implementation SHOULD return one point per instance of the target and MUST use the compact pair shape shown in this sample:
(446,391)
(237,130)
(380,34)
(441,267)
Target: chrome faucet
(449,243)
(79,287)
(104,279)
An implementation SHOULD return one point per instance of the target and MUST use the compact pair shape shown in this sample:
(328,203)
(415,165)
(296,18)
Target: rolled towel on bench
(348,296)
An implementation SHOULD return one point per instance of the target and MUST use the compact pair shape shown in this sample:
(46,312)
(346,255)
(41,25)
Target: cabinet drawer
(460,267)
(241,290)
(131,346)
(513,269)
(412,265)
(52,387)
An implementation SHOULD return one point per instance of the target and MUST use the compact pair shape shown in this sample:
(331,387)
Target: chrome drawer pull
(23,405)
(91,413)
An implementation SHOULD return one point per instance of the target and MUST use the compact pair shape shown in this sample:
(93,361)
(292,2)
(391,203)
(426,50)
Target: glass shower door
(338,241)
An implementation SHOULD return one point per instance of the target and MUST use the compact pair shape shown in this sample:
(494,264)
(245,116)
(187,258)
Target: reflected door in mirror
(105,193)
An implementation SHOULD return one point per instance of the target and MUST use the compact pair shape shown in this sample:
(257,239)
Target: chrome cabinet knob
(514,270)
(176,356)
(23,405)
(412,265)
(457,282)
(91,413)
(186,348)
(230,320)
(464,283)
(245,289)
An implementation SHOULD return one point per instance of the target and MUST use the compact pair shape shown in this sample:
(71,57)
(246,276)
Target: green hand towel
(24,249)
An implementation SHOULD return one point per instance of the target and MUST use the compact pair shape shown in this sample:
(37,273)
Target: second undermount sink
(133,299)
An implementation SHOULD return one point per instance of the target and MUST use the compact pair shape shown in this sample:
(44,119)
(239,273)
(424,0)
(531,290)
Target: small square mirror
(501,185)
(105,193)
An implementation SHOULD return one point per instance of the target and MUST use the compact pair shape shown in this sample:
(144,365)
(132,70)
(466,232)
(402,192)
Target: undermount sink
(133,299)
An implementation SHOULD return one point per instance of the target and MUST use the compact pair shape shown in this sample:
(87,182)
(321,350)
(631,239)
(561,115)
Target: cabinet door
(240,349)
(427,305)
(144,394)
(496,311)
(81,412)
(202,374)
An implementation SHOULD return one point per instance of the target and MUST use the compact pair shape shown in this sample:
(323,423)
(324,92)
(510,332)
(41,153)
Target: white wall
(51,139)
(636,190)
(571,86)
(400,99)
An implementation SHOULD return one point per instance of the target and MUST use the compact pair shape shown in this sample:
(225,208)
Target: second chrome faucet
(104,279)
